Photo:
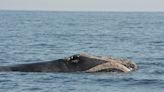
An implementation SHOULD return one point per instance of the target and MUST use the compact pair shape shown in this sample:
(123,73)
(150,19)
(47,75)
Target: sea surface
(37,36)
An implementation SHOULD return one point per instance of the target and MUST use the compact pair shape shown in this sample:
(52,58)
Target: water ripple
(33,36)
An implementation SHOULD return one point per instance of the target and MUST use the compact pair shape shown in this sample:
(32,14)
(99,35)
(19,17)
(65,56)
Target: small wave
(158,72)
(42,45)
(152,63)
(157,42)
(32,89)
(1,81)
(153,58)
(71,24)
(129,82)
(107,80)
(145,81)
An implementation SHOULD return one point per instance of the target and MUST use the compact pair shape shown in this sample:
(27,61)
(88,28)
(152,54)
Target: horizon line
(79,10)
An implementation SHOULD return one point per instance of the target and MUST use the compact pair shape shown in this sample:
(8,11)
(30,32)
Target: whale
(82,62)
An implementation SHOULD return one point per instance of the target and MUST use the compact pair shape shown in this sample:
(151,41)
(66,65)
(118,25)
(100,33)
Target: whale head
(130,65)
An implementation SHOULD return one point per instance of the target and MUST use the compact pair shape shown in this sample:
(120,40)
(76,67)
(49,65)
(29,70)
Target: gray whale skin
(80,62)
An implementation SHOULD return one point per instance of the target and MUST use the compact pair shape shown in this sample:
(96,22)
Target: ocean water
(36,36)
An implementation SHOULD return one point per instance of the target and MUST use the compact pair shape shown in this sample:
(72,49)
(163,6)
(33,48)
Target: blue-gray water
(27,37)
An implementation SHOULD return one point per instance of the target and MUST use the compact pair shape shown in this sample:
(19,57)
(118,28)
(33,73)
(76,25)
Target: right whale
(83,62)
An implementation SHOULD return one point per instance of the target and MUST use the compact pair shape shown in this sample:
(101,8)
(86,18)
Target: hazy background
(83,5)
